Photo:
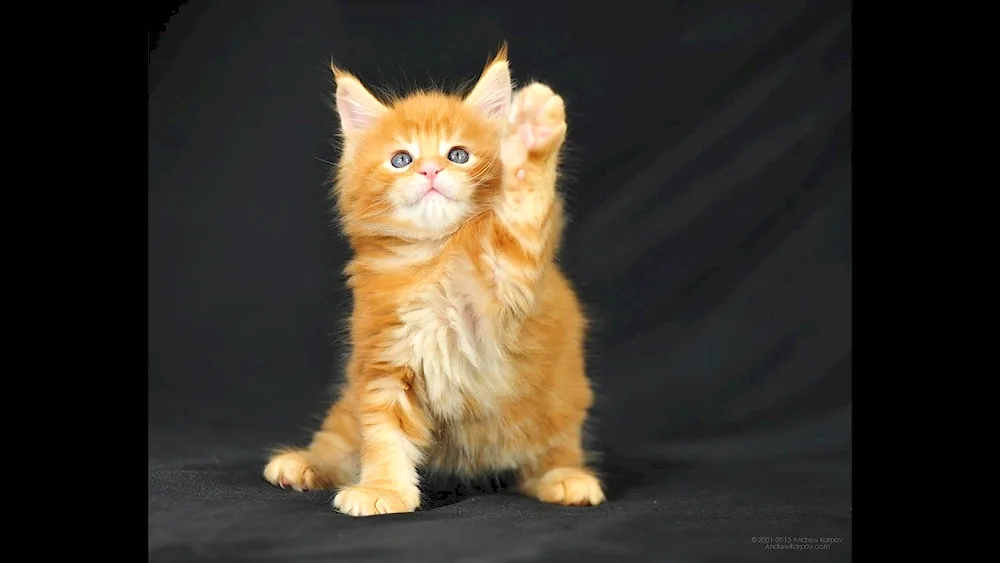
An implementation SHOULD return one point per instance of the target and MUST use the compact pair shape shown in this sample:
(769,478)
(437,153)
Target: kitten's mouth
(432,191)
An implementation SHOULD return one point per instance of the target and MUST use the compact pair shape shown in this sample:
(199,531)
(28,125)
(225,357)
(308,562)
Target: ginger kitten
(467,339)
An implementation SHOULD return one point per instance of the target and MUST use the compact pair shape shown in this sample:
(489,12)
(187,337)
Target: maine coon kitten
(467,340)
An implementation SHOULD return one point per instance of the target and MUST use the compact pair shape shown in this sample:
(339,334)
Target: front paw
(536,126)
(369,501)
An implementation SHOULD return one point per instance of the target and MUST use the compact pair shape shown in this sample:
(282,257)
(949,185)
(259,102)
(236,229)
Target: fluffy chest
(447,342)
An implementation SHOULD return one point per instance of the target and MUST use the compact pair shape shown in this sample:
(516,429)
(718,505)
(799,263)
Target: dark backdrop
(709,189)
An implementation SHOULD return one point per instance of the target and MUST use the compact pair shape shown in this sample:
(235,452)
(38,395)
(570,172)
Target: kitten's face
(422,167)
(427,166)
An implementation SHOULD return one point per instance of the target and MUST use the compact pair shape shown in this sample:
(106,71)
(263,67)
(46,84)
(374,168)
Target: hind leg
(330,461)
(560,477)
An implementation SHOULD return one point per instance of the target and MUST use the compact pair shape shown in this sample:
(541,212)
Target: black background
(709,187)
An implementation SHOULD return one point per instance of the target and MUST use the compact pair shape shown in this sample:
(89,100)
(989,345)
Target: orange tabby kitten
(467,340)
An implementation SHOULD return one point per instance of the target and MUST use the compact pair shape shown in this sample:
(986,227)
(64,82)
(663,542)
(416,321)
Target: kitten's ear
(492,94)
(357,108)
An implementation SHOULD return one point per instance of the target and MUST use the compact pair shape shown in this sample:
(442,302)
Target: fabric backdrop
(709,189)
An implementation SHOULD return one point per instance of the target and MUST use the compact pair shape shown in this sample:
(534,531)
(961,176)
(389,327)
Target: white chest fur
(447,343)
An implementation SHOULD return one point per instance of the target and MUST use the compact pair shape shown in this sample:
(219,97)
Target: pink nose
(430,170)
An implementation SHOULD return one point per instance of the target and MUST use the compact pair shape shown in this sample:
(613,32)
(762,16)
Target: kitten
(467,340)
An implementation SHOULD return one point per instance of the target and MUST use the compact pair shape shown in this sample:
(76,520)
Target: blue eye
(458,155)
(401,159)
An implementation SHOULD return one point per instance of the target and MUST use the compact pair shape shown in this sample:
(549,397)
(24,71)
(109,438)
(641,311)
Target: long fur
(466,338)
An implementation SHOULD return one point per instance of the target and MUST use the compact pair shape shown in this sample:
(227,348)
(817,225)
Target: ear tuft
(501,54)
(338,72)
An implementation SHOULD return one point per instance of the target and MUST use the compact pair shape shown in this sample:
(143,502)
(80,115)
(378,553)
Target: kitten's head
(419,167)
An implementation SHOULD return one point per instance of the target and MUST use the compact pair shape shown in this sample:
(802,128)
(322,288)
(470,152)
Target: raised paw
(570,486)
(536,125)
(370,501)
(292,470)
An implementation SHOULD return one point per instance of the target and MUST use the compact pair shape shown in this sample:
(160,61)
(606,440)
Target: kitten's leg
(528,219)
(394,436)
(560,477)
(330,461)
(524,243)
